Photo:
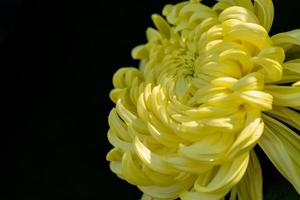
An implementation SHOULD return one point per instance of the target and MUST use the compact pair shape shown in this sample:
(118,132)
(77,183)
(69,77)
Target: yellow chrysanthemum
(210,86)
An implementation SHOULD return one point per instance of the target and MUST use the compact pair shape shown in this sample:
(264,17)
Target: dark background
(57,59)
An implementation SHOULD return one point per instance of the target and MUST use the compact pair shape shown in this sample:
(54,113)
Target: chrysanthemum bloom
(210,86)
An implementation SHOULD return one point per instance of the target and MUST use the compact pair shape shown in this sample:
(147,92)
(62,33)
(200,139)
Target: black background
(57,59)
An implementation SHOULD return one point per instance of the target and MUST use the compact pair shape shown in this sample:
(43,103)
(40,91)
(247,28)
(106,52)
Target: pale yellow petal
(251,187)
(284,95)
(151,159)
(132,171)
(286,115)
(226,176)
(171,191)
(282,146)
(287,40)
(264,10)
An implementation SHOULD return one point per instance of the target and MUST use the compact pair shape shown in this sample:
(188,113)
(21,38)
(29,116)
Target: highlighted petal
(261,100)
(152,160)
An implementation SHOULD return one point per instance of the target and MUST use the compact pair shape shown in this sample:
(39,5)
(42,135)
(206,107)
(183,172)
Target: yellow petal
(282,146)
(171,191)
(197,196)
(151,159)
(287,40)
(249,136)
(114,155)
(139,52)
(297,84)
(249,32)
(271,68)
(258,99)
(239,13)
(245,3)
(264,10)
(188,165)
(286,115)
(284,95)
(210,148)
(118,126)
(161,24)
(252,81)
(250,187)
(116,167)
(132,171)
(227,175)
(117,142)
(292,65)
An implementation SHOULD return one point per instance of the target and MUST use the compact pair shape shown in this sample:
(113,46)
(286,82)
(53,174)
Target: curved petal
(147,197)
(223,179)
(152,160)
(264,10)
(132,171)
(197,196)
(284,95)
(282,146)
(292,65)
(248,137)
(286,115)
(245,3)
(250,187)
(212,148)
(239,13)
(171,191)
(287,40)
(117,142)
(161,24)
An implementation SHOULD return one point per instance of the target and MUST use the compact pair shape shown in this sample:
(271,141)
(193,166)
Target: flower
(211,84)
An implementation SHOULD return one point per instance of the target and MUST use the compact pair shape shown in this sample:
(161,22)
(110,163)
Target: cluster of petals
(210,85)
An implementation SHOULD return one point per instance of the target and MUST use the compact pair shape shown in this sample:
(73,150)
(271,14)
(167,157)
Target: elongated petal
(286,115)
(250,187)
(197,196)
(188,165)
(292,65)
(117,142)
(249,136)
(211,148)
(284,95)
(227,175)
(258,99)
(246,4)
(264,10)
(161,25)
(147,197)
(239,13)
(282,146)
(132,171)
(152,160)
(287,40)
(171,191)
(116,167)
